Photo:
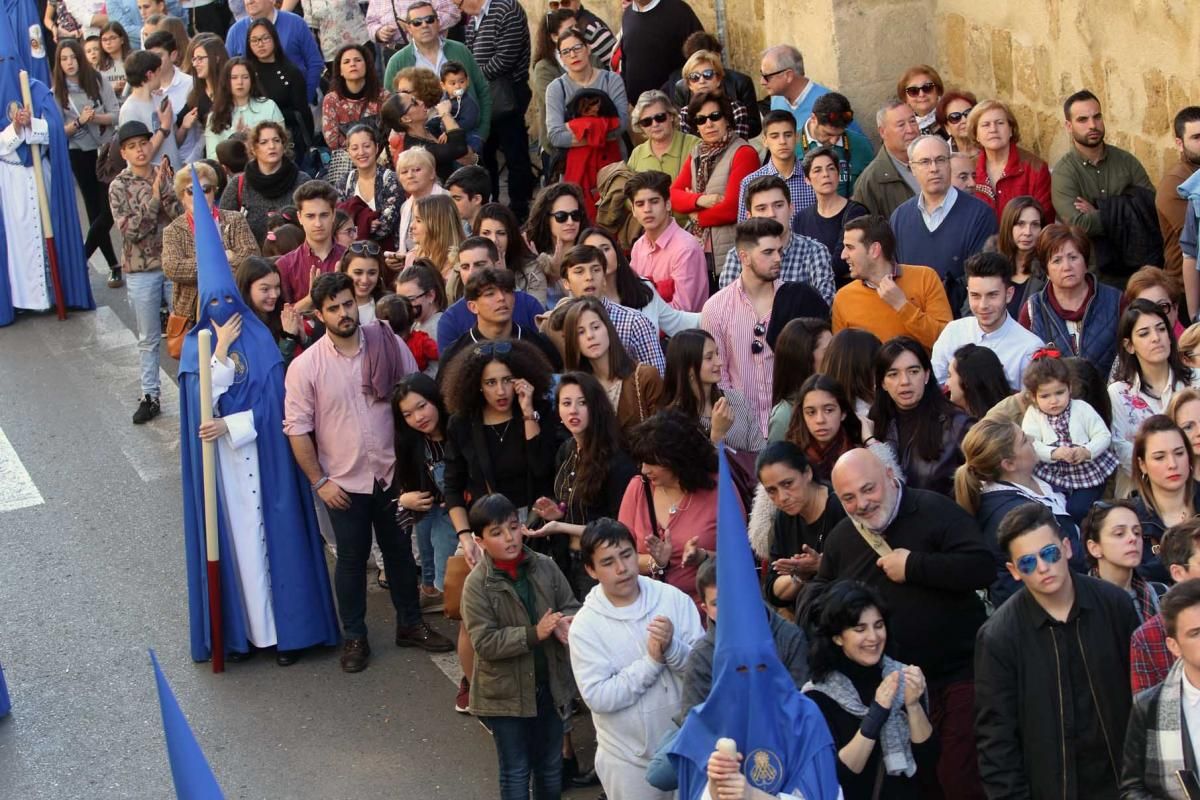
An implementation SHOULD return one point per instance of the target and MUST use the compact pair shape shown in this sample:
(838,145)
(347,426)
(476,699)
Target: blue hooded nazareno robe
(300,593)
(15,55)
(781,734)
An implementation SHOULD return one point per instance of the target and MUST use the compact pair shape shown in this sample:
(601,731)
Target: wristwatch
(324,480)
(534,417)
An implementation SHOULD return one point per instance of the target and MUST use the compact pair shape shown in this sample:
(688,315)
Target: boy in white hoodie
(629,644)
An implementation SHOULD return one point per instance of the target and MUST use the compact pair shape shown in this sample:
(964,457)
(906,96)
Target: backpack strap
(240,183)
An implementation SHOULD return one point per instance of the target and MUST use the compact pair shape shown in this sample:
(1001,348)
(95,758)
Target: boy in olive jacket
(517,607)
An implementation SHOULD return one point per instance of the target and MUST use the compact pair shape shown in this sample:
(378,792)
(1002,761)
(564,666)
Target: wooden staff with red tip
(208,458)
(44,206)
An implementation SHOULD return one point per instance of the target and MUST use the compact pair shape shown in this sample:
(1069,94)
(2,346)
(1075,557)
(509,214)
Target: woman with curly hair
(671,507)
(497,222)
(591,471)
(499,438)
(355,94)
(691,386)
(591,345)
(269,179)
(555,221)
(238,104)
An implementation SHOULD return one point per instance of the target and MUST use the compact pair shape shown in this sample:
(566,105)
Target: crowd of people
(958,387)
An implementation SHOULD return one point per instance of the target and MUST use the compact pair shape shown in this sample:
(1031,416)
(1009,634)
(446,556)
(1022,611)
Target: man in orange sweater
(886,298)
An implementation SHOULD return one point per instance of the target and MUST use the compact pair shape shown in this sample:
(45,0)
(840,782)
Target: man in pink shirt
(315,203)
(338,419)
(666,255)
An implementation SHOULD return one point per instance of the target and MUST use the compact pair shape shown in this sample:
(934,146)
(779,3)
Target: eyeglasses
(656,119)
(758,345)
(926,163)
(838,119)
(562,216)
(704,74)
(958,116)
(766,76)
(428,19)
(1165,306)
(1050,554)
(259,39)
(929,87)
(414,297)
(713,117)
(196,59)
(207,189)
(574,49)
(488,349)
(364,247)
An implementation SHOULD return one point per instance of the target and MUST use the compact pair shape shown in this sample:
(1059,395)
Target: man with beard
(926,558)
(339,420)
(1091,171)
(1171,207)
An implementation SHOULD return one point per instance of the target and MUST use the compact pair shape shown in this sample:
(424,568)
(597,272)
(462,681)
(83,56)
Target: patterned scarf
(1164,742)
(705,160)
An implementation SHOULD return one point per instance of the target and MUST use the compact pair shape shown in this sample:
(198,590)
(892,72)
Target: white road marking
(17,489)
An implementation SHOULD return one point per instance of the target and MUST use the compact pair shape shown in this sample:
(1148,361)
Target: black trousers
(95,200)
(510,137)
(352,529)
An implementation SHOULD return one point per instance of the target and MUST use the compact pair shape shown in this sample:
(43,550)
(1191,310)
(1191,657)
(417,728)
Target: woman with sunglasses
(704,73)
(706,188)
(921,88)
(363,262)
(1166,490)
(422,286)
(625,287)
(692,386)
(952,112)
(1020,224)
(281,80)
(370,193)
(179,239)
(497,222)
(1112,534)
(404,116)
(591,471)
(555,220)
(912,415)
(666,146)
(1149,372)
(580,73)
(997,476)
(1004,171)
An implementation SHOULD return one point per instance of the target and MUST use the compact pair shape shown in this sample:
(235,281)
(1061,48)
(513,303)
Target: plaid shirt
(804,260)
(801,193)
(637,333)
(1060,474)
(1149,658)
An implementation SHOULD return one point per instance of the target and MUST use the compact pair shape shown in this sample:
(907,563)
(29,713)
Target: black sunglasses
(428,19)
(562,216)
(364,247)
(705,74)
(758,345)
(958,116)
(713,117)
(656,119)
(925,88)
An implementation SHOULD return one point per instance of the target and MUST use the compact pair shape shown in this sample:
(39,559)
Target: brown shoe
(424,637)
(355,654)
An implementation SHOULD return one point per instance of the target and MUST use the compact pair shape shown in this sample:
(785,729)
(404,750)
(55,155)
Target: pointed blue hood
(193,777)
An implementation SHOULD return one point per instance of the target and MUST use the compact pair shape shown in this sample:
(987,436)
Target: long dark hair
(214,48)
(1087,384)
(982,378)
(221,116)
(425,274)
(410,443)
(545,46)
(601,440)
(797,431)
(106,61)
(537,227)
(620,363)
(850,360)
(371,83)
(88,79)
(460,386)
(1005,243)
(794,350)
(516,253)
(1128,365)
(251,270)
(933,409)
(631,289)
(280,56)
(839,607)
(685,354)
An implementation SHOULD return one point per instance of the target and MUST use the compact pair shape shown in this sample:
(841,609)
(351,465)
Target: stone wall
(1138,56)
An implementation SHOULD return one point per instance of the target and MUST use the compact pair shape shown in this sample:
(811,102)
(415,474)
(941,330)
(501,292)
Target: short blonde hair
(1190,338)
(416,155)
(703,57)
(183,178)
(984,106)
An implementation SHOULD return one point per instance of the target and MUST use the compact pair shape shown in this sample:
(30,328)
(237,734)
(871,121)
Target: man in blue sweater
(294,34)
(942,226)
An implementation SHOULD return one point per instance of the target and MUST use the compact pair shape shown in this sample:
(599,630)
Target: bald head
(866,486)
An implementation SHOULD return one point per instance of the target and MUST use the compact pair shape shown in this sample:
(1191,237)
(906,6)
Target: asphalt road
(92,577)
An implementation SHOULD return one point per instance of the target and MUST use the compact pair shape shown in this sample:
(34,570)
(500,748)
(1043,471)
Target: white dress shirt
(1012,343)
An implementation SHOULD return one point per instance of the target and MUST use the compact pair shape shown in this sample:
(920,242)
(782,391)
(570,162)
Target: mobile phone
(165,104)
(390,255)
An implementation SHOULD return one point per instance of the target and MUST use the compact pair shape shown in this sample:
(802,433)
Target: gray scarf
(895,740)
(1164,744)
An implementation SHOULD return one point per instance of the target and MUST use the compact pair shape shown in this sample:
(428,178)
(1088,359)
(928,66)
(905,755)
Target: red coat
(1024,174)
(585,161)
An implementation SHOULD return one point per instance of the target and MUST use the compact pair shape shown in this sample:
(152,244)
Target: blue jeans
(436,542)
(147,292)
(530,746)
(1080,501)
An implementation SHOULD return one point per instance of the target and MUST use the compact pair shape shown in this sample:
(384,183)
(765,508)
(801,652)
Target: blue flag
(5,705)
(193,777)
(781,734)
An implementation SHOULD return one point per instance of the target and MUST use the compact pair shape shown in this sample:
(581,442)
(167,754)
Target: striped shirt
(803,260)
(730,317)
(499,39)
(637,334)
